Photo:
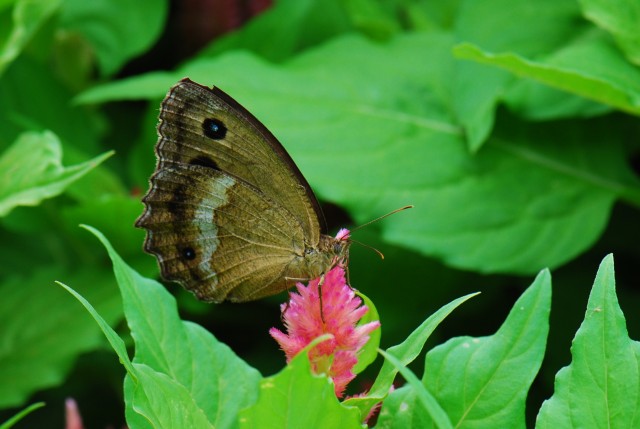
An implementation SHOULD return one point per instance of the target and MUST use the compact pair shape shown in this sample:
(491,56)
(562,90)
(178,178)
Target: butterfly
(228,214)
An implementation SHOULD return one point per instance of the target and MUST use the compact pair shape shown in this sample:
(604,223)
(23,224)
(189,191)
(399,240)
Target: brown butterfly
(228,214)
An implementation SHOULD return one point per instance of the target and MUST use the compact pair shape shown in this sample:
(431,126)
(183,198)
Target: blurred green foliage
(510,125)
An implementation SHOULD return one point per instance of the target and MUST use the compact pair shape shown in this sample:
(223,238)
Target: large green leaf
(601,386)
(501,25)
(592,69)
(533,197)
(118,30)
(31,170)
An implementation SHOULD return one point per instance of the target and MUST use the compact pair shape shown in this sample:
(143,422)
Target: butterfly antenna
(380,218)
(368,247)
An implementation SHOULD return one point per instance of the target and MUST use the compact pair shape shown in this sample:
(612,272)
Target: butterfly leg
(346,269)
(320,283)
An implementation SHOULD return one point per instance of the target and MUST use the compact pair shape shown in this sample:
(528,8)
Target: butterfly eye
(214,129)
(188,253)
(337,248)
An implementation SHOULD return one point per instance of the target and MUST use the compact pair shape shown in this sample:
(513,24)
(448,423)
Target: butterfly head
(340,247)
(331,251)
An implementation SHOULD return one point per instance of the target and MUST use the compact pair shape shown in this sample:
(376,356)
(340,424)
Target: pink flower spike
(342,310)
(343,234)
(72,414)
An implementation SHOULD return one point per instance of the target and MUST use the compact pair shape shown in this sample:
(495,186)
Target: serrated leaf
(601,386)
(31,170)
(297,398)
(26,18)
(118,30)
(43,331)
(218,382)
(483,382)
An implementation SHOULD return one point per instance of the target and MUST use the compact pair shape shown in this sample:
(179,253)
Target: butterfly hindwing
(192,221)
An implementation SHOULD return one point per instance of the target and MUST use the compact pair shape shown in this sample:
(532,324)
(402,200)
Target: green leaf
(103,182)
(306,26)
(369,352)
(31,170)
(118,29)
(536,195)
(386,129)
(601,386)
(494,392)
(377,20)
(296,398)
(148,86)
(538,102)
(166,403)
(100,212)
(27,16)
(42,330)
(592,69)
(399,410)
(15,419)
(114,339)
(134,419)
(218,382)
(621,19)
(425,398)
(405,352)
(477,89)
(44,104)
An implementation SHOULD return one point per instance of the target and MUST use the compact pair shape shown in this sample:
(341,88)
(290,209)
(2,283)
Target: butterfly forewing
(213,129)
(226,214)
